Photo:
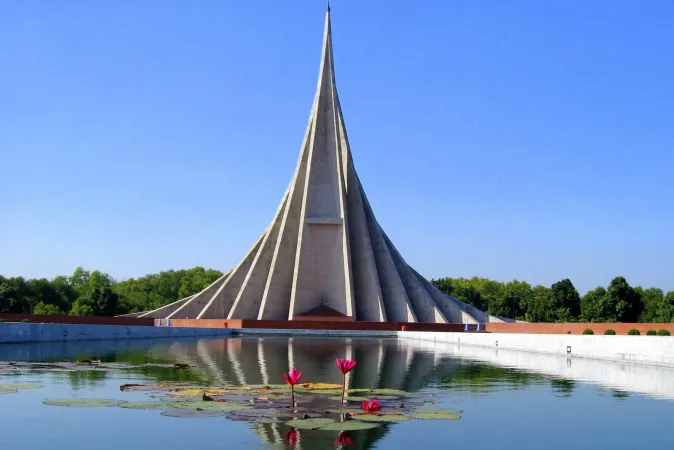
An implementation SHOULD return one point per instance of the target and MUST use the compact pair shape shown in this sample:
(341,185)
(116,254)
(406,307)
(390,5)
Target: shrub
(609,332)
(24,321)
(588,331)
(651,333)
(663,332)
(634,332)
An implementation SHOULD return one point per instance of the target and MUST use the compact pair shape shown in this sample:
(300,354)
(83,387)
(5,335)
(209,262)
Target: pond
(498,399)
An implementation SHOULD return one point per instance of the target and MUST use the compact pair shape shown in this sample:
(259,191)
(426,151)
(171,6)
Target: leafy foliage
(609,332)
(634,332)
(96,293)
(588,331)
(561,302)
(651,333)
(663,332)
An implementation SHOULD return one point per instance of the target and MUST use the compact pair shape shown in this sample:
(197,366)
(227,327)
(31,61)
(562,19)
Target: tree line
(95,293)
(561,302)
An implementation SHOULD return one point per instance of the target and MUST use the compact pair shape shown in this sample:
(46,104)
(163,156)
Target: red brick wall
(312,325)
(79,320)
(574,328)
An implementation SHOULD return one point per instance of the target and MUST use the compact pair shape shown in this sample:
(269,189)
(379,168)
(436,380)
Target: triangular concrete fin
(324,247)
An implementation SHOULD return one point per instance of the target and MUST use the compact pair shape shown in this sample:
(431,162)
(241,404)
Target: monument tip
(328,6)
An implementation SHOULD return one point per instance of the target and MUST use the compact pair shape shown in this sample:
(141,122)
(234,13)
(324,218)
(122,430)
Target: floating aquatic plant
(371,406)
(292,378)
(345,366)
(192,413)
(84,402)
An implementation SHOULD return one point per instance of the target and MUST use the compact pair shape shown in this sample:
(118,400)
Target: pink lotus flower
(343,440)
(345,366)
(292,378)
(291,437)
(371,407)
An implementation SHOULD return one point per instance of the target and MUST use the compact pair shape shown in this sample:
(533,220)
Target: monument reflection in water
(382,363)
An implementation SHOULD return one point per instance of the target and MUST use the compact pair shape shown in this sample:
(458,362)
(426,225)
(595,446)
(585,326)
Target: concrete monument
(324,253)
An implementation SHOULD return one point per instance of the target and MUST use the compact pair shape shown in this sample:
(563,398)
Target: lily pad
(147,405)
(210,406)
(349,425)
(321,386)
(320,391)
(192,413)
(199,392)
(4,390)
(269,387)
(240,418)
(351,399)
(437,411)
(310,424)
(84,402)
(435,416)
(345,410)
(21,386)
(381,418)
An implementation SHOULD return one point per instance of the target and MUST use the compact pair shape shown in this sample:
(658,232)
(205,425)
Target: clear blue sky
(511,140)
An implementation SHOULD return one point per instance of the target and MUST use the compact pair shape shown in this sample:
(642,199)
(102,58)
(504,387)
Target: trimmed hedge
(651,333)
(634,332)
(588,331)
(664,332)
(609,332)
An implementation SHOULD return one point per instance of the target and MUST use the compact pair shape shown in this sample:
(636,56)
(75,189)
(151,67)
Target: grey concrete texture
(324,246)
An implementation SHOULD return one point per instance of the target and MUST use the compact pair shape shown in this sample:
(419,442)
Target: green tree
(47,309)
(538,308)
(593,306)
(666,309)
(652,299)
(565,301)
(625,299)
(517,295)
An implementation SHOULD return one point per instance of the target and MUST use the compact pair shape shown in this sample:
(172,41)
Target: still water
(510,399)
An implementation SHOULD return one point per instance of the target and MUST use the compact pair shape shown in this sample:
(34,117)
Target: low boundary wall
(81,320)
(652,350)
(52,332)
(301,325)
(574,328)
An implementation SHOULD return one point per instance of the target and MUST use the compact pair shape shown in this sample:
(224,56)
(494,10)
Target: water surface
(510,399)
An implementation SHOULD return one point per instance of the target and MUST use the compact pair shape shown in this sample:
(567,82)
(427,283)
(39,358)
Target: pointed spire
(324,246)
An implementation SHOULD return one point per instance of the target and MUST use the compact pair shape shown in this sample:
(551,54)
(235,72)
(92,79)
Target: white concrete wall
(52,332)
(650,380)
(654,350)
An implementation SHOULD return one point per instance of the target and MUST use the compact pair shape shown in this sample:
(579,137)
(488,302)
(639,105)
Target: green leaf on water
(381,418)
(21,386)
(84,402)
(345,410)
(192,413)
(349,425)
(157,406)
(435,416)
(351,399)
(437,411)
(4,390)
(309,424)
(210,406)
